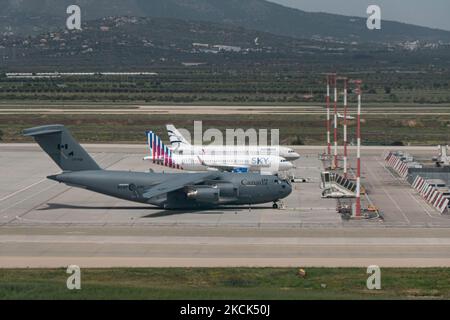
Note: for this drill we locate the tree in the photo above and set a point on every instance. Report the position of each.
(297, 141)
(393, 97)
(397, 143)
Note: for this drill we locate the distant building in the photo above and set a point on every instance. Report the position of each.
(221, 47)
(200, 45)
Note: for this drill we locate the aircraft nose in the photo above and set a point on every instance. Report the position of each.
(287, 189)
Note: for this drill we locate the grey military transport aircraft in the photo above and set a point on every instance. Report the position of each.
(165, 190)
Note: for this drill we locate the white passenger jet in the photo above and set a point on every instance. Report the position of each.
(239, 163)
(181, 146)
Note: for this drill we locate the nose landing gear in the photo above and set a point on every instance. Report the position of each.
(278, 205)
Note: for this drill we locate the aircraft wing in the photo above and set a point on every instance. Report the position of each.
(229, 168)
(178, 183)
(225, 167)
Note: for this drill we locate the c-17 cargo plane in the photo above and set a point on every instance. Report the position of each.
(164, 190)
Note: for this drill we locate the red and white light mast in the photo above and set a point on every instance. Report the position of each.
(328, 117)
(358, 155)
(345, 128)
(335, 162)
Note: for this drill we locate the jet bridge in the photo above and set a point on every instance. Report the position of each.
(336, 186)
(443, 159)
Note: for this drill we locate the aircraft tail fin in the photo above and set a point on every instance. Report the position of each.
(159, 152)
(175, 137)
(65, 151)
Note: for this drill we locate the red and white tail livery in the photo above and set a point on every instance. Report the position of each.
(159, 152)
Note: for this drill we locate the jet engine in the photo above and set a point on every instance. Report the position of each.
(203, 194)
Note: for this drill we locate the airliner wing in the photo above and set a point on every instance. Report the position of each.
(229, 168)
(225, 167)
(178, 183)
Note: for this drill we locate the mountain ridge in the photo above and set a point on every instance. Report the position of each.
(28, 16)
(135, 42)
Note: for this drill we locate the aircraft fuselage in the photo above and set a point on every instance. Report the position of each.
(227, 189)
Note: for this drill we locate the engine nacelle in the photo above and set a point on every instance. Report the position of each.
(226, 190)
(203, 194)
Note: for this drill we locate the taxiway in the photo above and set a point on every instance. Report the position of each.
(46, 224)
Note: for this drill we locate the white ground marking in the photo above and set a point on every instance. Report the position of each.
(37, 193)
(21, 190)
(27, 198)
(387, 194)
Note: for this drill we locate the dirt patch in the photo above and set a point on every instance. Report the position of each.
(412, 123)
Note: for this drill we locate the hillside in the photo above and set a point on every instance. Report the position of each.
(138, 42)
(133, 42)
(37, 16)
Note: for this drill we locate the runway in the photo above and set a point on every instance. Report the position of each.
(46, 224)
(207, 247)
(318, 110)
